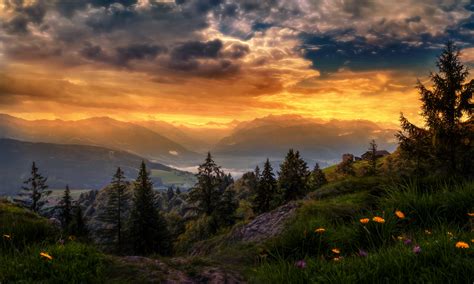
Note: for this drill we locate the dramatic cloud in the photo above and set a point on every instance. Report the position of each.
(223, 59)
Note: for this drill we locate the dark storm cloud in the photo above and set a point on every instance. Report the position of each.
(22, 15)
(195, 49)
(138, 52)
(351, 34)
(206, 59)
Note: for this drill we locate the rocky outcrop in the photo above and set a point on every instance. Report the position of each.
(265, 226)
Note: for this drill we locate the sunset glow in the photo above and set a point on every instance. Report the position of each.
(218, 61)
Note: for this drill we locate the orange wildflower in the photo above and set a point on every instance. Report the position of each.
(320, 230)
(336, 250)
(378, 219)
(471, 214)
(364, 220)
(462, 245)
(46, 255)
(400, 214)
(7, 237)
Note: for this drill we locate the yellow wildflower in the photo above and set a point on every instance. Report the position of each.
(46, 255)
(364, 220)
(336, 250)
(428, 232)
(400, 214)
(320, 230)
(338, 258)
(462, 245)
(472, 241)
(72, 238)
(400, 238)
(378, 219)
(471, 214)
(7, 237)
(451, 235)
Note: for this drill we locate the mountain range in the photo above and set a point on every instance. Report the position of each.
(80, 166)
(97, 131)
(236, 146)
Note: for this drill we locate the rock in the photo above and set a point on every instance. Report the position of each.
(266, 225)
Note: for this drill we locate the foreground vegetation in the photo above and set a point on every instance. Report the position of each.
(340, 239)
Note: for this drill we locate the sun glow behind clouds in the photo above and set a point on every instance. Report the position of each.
(195, 62)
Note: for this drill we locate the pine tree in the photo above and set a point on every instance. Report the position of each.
(178, 191)
(78, 224)
(266, 190)
(293, 176)
(113, 211)
(447, 110)
(170, 193)
(257, 174)
(66, 208)
(206, 193)
(373, 158)
(36, 190)
(225, 210)
(148, 229)
(317, 178)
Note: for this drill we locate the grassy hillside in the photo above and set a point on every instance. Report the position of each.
(349, 231)
(423, 246)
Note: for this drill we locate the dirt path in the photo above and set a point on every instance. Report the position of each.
(138, 269)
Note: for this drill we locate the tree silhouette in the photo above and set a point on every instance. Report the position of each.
(317, 178)
(446, 108)
(66, 208)
(205, 194)
(113, 211)
(293, 176)
(373, 158)
(35, 190)
(266, 190)
(148, 230)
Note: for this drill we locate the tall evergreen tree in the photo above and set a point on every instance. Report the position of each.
(224, 215)
(317, 178)
(148, 230)
(448, 117)
(257, 173)
(78, 225)
(266, 190)
(206, 193)
(170, 193)
(114, 210)
(373, 158)
(66, 208)
(293, 176)
(35, 190)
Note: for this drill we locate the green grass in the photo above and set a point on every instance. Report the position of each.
(438, 262)
(70, 263)
(25, 234)
(439, 209)
(75, 193)
(20, 227)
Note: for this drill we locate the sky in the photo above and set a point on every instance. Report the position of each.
(215, 61)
